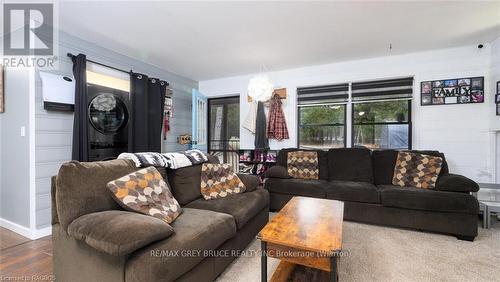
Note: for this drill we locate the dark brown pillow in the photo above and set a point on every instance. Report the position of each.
(185, 183)
(277, 171)
(81, 188)
(118, 233)
(251, 182)
(350, 164)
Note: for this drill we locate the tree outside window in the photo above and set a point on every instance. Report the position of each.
(322, 127)
(382, 125)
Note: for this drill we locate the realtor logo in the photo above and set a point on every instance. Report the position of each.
(28, 29)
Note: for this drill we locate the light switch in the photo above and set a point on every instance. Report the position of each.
(23, 131)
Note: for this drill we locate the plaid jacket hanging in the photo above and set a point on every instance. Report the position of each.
(276, 127)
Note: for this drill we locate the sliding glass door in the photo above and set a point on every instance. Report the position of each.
(224, 129)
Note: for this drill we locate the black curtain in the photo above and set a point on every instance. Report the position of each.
(156, 100)
(147, 96)
(80, 150)
(261, 141)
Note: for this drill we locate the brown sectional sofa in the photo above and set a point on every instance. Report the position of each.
(94, 239)
(363, 180)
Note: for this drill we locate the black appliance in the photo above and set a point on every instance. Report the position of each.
(108, 112)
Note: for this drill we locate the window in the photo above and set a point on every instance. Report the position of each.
(380, 116)
(322, 127)
(322, 115)
(224, 128)
(382, 125)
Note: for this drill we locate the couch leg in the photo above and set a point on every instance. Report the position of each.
(465, 238)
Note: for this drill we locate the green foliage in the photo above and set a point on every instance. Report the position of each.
(328, 135)
(322, 115)
(376, 112)
(389, 111)
(322, 136)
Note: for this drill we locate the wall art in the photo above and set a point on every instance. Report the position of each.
(452, 91)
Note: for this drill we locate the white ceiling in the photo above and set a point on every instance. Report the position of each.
(206, 40)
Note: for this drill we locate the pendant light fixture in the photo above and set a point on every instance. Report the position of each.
(260, 88)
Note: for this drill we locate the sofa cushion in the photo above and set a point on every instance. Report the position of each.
(384, 162)
(213, 159)
(163, 173)
(146, 192)
(303, 164)
(352, 191)
(118, 233)
(81, 188)
(456, 183)
(350, 164)
(185, 183)
(428, 200)
(416, 170)
(277, 171)
(297, 187)
(196, 232)
(219, 181)
(282, 160)
(251, 181)
(241, 207)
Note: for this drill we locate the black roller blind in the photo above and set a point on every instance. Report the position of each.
(338, 93)
(401, 88)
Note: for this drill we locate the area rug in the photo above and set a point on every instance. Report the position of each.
(379, 253)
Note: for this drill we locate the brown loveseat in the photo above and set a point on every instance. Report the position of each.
(94, 239)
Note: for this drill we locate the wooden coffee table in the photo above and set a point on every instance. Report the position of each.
(307, 231)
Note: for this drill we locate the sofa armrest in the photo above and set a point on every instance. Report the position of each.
(118, 233)
(456, 183)
(251, 181)
(277, 171)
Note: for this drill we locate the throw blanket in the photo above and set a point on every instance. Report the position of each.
(169, 160)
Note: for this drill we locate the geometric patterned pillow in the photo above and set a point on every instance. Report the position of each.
(146, 192)
(303, 164)
(416, 170)
(219, 181)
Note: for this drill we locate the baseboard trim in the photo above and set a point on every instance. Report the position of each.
(39, 233)
(19, 229)
(25, 231)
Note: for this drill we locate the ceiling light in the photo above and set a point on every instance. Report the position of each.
(361, 113)
(260, 88)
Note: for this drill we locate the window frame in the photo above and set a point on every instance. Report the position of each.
(326, 124)
(409, 123)
(224, 101)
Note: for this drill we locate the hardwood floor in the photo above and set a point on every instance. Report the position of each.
(9, 238)
(23, 259)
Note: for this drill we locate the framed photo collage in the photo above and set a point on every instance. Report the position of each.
(452, 91)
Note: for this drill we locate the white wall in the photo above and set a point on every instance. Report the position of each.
(460, 131)
(495, 76)
(15, 211)
(495, 120)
